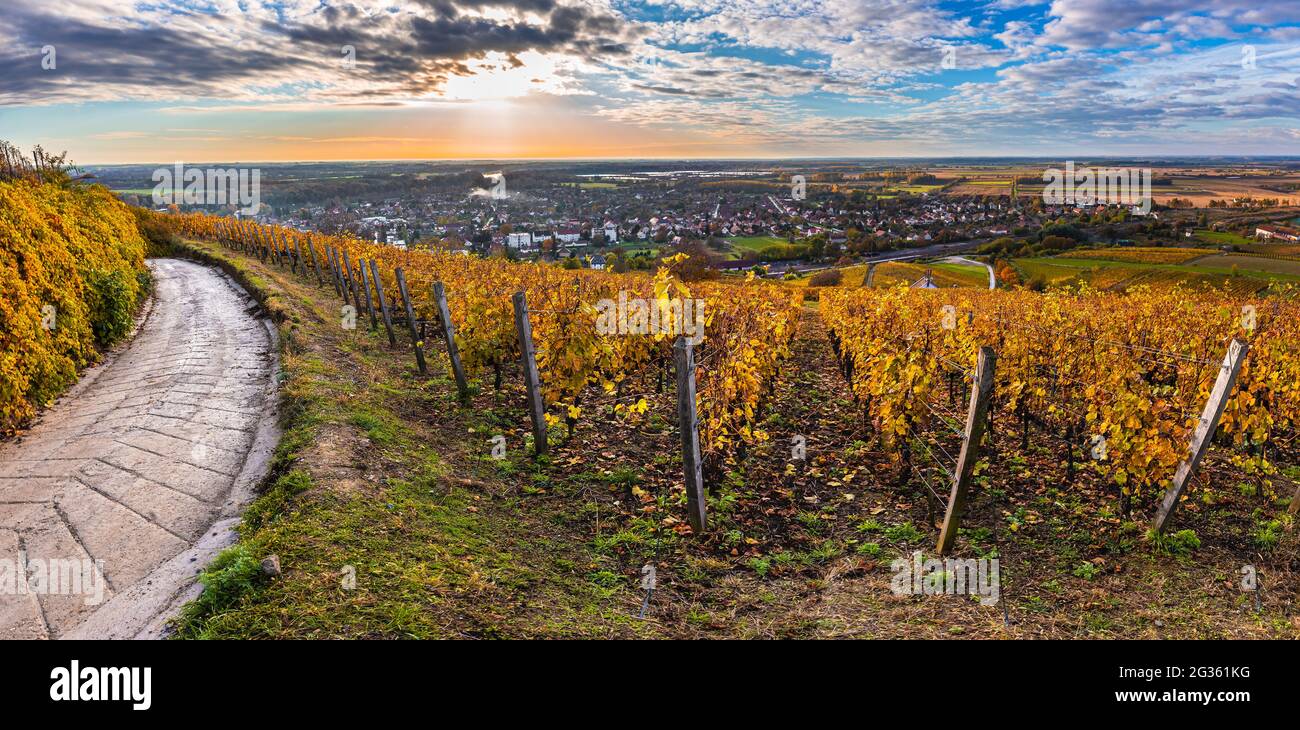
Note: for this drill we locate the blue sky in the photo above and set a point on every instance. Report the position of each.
(248, 80)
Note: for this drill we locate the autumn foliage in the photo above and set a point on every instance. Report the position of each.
(71, 272)
(747, 327)
(1135, 369)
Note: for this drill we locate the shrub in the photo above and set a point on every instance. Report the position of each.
(829, 277)
(158, 231)
(71, 272)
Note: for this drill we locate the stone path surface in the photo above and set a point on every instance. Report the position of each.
(134, 466)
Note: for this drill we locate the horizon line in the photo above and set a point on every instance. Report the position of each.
(448, 160)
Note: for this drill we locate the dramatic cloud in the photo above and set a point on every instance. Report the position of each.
(796, 76)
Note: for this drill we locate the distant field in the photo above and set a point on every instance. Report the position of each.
(895, 273)
(1200, 189)
(1054, 272)
(757, 244)
(1252, 273)
(1141, 254)
(972, 276)
(849, 276)
(1223, 237)
(594, 185)
(1159, 279)
(1187, 183)
(1250, 263)
(1272, 249)
(914, 188)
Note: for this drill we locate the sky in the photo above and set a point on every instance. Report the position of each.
(243, 80)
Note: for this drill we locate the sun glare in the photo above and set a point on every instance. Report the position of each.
(494, 78)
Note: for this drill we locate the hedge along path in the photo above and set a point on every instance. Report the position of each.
(68, 290)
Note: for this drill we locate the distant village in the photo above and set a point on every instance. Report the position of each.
(632, 220)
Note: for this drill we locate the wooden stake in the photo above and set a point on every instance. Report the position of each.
(350, 281)
(365, 284)
(315, 262)
(297, 254)
(274, 246)
(976, 418)
(334, 270)
(410, 321)
(536, 407)
(449, 333)
(688, 424)
(1204, 432)
(383, 303)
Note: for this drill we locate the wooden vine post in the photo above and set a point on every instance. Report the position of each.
(689, 425)
(976, 420)
(274, 246)
(315, 262)
(365, 284)
(536, 407)
(297, 255)
(1204, 432)
(383, 303)
(449, 333)
(410, 322)
(334, 270)
(350, 282)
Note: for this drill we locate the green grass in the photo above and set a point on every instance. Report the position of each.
(757, 244)
(1222, 237)
(976, 276)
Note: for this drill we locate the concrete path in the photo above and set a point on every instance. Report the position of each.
(108, 503)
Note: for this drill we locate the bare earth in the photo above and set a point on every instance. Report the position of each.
(143, 466)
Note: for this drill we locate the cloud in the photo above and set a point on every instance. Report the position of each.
(294, 52)
(780, 73)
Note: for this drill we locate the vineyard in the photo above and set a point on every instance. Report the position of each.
(1119, 381)
(746, 332)
(1141, 255)
(824, 433)
(1121, 378)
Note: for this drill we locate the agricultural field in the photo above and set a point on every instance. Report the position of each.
(757, 244)
(1250, 263)
(569, 529)
(1209, 269)
(1141, 255)
(1221, 238)
(945, 275)
(1280, 250)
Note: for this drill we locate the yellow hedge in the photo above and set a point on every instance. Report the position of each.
(78, 249)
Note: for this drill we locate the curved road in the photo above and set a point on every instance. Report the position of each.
(107, 503)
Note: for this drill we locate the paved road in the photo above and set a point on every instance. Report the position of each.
(129, 471)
